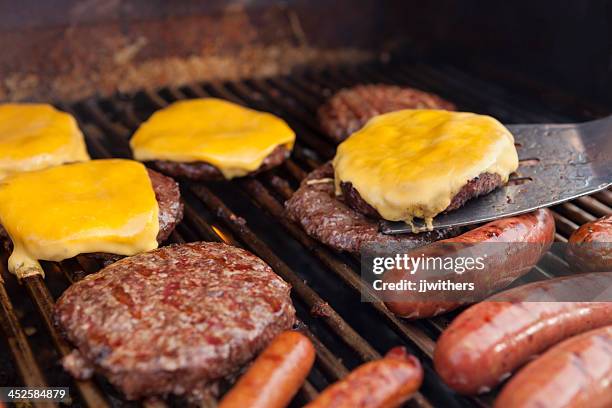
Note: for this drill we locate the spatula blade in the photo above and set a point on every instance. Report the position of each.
(557, 163)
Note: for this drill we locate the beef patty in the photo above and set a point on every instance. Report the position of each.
(203, 171)
(349, 109)
(330, 220)
(170, 213)
(168, 198)
(483, 184)
(174, 320)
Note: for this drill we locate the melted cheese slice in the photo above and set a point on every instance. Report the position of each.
(37, 136)
(411, 163)
(232, 138)
(96, 206)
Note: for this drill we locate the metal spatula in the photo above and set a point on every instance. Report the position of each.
(558, 162)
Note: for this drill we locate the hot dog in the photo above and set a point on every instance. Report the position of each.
(490, 340)
(384, 383)
(275, 376)
(533, 234)
(590, 247)
(574, 373)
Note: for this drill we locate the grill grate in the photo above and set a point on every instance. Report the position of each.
(248, 213)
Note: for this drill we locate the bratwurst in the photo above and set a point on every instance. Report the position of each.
(384, 383)
(513, 247)
(575, 373)
(590, 247)
(491, 339)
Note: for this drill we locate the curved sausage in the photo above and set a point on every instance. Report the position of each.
(531, 235)
(590, 247)
(275, 376)
(491, 339)
(383, 383)
(575, 373)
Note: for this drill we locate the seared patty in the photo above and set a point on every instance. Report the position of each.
(328, 219)
(168, 198)
(174, 320)
(481, 185)
(207, 172)
(349, 109)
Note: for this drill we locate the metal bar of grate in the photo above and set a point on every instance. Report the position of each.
(28, 368)
(43, 300)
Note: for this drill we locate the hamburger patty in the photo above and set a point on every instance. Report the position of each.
(174, 320)
(349, 109)
(481, 185)
(328, 219)
(207, 172)
(168, 198)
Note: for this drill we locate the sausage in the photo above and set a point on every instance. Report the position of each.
(590, 247)
(491, 339)
(383, 383)
(275, 376)
(574, 373)
(531, 236)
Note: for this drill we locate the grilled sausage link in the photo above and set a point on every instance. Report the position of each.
(491, 339)
(275, 376)
(385, 383)
(575, 373)
(590, 247)
(516, 246)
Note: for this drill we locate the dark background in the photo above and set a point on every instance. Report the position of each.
(564, 44)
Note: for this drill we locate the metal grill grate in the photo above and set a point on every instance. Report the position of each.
(248, 213)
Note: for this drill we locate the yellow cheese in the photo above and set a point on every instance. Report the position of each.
(411, 163)
(96, 206)
(37, 136)
(233, 138)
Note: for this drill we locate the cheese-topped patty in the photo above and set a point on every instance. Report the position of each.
(37, 136)
(97, 206)
(234, 139)
(411, 163)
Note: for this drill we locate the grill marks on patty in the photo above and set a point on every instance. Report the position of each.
(203, 171)
(174, 320)
(349, 109)
(331, 221)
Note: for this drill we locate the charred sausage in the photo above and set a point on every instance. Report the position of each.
(574, 373)
(384, 383)
(531, 236)
(275, 376)
(590, 247)
(491, 339)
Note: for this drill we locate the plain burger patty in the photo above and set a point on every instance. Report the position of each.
(174, 320)
(330, 220)
(203, 171)
(483, 184)
(168, 198)
(349, 109)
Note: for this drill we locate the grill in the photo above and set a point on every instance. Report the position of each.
(249, 213)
